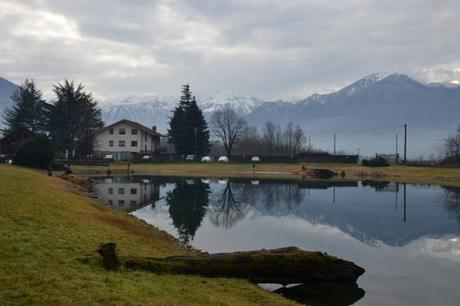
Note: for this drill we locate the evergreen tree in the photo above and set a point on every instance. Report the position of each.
(28, 110)
(188, 129)
(73, 118)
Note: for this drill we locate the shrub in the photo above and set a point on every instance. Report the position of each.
(375, 162)
(35, 152)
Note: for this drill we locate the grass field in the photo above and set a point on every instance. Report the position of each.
(47, 226)
(408, 174)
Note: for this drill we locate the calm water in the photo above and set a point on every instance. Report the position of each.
(407, 237)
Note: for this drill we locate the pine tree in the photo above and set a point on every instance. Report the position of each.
(28, 110)
(73, 118)
(188, 128)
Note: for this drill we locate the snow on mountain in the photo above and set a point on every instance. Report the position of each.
(7, 88)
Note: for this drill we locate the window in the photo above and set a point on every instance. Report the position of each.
(110, 143)
(133, 202)
(134, 143)
(122, 131)
(121, 143)
(121, 203)
(121, 190)
(134, 132)
(110, 131)
(110, 202)
(110, 190)
(133, 191)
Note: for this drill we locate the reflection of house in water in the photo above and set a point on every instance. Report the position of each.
(126, 195)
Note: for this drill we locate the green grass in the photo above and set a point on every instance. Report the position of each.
(407, 174)
(47, 227)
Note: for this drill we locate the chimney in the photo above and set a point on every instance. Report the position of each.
(154, 128)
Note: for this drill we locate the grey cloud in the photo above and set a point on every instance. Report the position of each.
(270, 49)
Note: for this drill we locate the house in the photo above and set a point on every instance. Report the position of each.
(125, 139)
(11, 141)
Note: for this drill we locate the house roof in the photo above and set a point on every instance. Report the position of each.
(132, 123)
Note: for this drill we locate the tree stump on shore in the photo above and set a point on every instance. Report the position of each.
(108, 251)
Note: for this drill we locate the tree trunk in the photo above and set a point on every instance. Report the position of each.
(281, 266)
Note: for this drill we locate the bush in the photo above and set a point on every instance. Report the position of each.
(375, 162)
(35, 152)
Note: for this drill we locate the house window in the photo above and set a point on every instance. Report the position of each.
(110, 190)
(133, 202)
(121, 190)
(121, 203)
(134, 132)
(133, 191)
(110, 143)
(121, 143)
(110, 202)
(134, 143)
(122, 131)
(111, 131)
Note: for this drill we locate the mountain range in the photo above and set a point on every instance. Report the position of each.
(365, 115)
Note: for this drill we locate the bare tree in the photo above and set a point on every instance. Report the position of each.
(452, 144)
(289, 140)
(269, 136)
(228, 127)
(299, 139)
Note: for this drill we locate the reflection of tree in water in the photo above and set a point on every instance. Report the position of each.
(235, 200)
(227, 210)
(187, 207)
(452, 203)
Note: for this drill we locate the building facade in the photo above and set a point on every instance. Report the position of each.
(125, 139)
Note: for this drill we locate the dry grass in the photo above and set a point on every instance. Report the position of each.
(428, 175)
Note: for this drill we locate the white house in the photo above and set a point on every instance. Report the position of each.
(124, 139)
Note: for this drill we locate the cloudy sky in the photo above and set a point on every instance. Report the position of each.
(265, 48)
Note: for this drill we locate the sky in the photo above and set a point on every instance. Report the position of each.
(272, 49)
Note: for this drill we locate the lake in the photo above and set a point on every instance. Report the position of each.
(407, 237)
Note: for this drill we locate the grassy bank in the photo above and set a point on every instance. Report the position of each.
(48, 226)
(407, 174)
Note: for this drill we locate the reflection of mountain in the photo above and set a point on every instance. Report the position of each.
(365, 213)
(127, 194)
(188, 203)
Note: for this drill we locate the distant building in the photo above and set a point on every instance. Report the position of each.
(11, 141)
(125, 139)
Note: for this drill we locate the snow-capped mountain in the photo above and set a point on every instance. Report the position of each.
(366, 114)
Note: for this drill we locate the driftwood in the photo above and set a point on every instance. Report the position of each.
(283, 266)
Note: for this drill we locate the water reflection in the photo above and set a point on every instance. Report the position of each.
(126, 194)
(188, 202)
(399, 233)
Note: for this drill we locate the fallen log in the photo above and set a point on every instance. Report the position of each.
(282, 266)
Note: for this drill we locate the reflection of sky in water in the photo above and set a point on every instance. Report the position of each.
(416, 262)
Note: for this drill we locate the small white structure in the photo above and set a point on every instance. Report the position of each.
(123, 139)
(206, 159)
(223, 159)
(255, 159)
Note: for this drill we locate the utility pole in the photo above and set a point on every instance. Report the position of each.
(405, 142)
(397, 157)
(334, 143)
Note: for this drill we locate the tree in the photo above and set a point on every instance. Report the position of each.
(269, 137)
(28, 110)
(73, 119)
(188, 130)
(228, 127)
(34, 152)
(299, 140)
